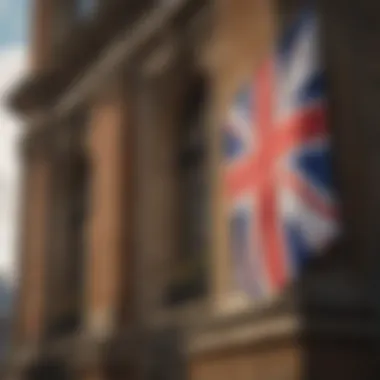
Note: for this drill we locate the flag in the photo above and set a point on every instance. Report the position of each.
(282, 208)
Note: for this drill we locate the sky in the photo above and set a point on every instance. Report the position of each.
(13, 40)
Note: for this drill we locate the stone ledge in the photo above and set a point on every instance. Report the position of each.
(238, 335)
(328, 306)
(255, 329)
(120, 49)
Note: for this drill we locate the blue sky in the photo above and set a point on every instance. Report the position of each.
(13, 40)
(13, 22)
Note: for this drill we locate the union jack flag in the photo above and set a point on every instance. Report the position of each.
(282, 209)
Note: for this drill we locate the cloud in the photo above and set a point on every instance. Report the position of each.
(12, 65)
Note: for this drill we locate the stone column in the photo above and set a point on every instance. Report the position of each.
(242, 35)
(106, 228)
(34, 249)
(41, 33)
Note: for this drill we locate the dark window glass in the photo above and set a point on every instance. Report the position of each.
(189, 273)
(69, 277)
(76, 230)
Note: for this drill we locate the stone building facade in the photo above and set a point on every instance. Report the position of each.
(124, 266)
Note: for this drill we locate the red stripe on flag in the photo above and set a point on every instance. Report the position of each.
(251, 172)
(274, 254)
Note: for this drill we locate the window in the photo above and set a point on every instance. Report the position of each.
(66, 265)
(189, 272)
(76, 218)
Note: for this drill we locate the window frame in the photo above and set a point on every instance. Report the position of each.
(68, 150)
(150, 100)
